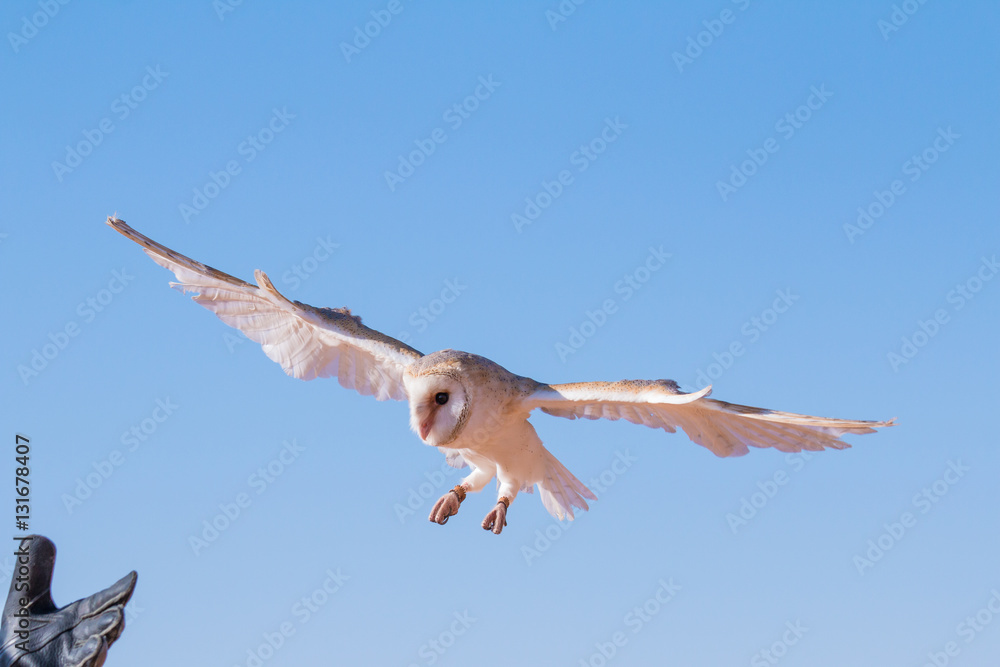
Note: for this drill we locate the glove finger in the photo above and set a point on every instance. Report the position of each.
(36, 568)
(108, 625)
(116, 594)
(91, 653)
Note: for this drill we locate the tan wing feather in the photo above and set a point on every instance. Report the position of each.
(726, 429)
(307, 342)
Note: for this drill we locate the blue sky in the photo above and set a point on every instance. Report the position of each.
(794, 201)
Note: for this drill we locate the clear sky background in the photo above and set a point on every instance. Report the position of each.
(770, 277)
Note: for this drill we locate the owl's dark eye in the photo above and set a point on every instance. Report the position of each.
(441, 398)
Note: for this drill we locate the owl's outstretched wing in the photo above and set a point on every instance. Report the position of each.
(308, 342)
(724, 428)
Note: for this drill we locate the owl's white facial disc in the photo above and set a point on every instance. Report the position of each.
(439, 408)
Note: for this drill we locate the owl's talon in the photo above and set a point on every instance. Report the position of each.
(445, 508)
(496, 519)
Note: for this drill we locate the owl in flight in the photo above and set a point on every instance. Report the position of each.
(472, 409)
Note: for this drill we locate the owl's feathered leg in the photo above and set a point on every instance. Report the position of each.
(448, 504)
(497, 518)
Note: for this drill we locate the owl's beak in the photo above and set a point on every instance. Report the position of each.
(425, 428)
(426, 424)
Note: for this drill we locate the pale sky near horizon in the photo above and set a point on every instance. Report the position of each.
(795, 202)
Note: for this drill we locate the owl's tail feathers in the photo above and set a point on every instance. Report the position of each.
(561, 491)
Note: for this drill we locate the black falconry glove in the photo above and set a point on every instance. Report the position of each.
(36, 633)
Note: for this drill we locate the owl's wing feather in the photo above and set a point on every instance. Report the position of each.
(726, 429)
(308, 342)
(453, 458)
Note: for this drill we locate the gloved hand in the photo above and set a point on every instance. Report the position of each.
(77, 635)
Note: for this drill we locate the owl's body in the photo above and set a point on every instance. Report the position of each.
(495, 437)
(471, 408)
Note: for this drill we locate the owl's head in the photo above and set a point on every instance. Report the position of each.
(439, 407)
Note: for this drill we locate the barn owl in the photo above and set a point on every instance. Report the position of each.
(472, 409)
